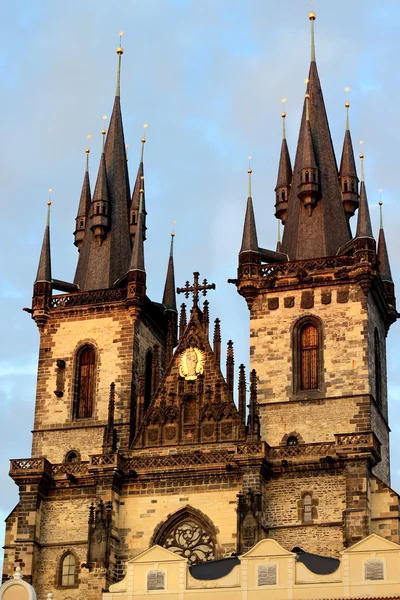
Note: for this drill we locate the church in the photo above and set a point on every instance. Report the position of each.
(146, 476)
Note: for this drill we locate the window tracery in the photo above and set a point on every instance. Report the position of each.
(84, 391)
(68, 570)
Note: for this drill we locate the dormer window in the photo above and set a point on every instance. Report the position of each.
(346, 187)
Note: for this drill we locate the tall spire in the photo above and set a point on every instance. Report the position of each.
(84, 206)
(100, 213)
(348, 173)
(325, 230)
(101, 265)
(284, 181)
(137, 258)
(44, 268)
(364, 228)
(169, 297)
(139, 184)
(383, 255)
(249, 239)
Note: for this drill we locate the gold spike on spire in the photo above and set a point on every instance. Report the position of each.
(362, 160)
(249, 171)
(143, 141)
(120, 52)
(87, 152)
(283, 119)
(380, 213)
(312, 16)
(347, 105)
(103, 133)
(48, 208)
(172, 239)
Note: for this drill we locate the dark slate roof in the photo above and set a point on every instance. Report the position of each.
(383, 257)
(308, 154)
(84, 203)
(169, 297)
(364, 228)
(137, 258)
(322, 233)
(249, 239)
(44, 268)
(347, 163)
(285, 166)
(139, 182)
(214, 569)
(99, 266)
(101, 188)
(320, 565)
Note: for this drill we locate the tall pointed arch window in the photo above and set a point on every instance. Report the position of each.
(67, 571)
(84, 385)
(307, 355)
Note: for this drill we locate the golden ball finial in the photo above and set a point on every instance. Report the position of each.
(103, 132)
(312, 16)
(283, 115)
(141, 191)
(347, 105)
(48, 203)
(307, 96)
(143, 140)
(380, 203)
(120, 50)
(173, 234)
(87, 150)
(361, 155)
(249, 171)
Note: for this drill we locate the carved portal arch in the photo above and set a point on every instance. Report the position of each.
(190, 534)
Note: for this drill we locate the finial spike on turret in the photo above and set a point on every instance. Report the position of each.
(171, 252)
(283, 119)
(87, 153)
(312, 16)
(120, 52)
(103, 133)
(362, 161)
(249, 172)
(380, 215)
(143, 141)
(347, 105)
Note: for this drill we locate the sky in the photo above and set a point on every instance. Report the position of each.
(207, 76)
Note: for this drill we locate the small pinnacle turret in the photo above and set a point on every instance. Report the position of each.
(364, 228)
(348, 173)
(44, 267)
(84, 207)
(383, 255)
(100, 210)
(308, 188)
(169, 297)
(249, 239)
(137, 272)
(284, 181)
(134, 208)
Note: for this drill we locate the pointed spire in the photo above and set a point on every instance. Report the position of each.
(364, 228)
(84, 206)
(242, 395)
(44, 268)
(284, 181)
(139, 184)
(249, 239)
(253, 423)
(100, 213)
(217, 340)
(230, 366)
(169, 298)
(182, 320)
(348, 173)
(319, 229)
(383, 255)
(137, 258)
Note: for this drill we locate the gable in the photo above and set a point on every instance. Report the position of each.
(156, 554)
(267, 547)
(372, 543)
(193, 402)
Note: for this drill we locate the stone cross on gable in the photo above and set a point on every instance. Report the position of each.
(196, 288)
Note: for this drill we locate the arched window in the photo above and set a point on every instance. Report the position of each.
(378, 369)
(307, 509)
(68, 570)
(307, 346)
(309, 350)
(148, 369)
(84, 391)
(72, 457)
(346, 187)
(353, 187)
(283, 195)
(189, 535)
(292, 441)
(307, 176)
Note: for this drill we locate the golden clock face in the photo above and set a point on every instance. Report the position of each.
(191, 363)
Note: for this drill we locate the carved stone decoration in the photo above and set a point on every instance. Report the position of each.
(249, 520)
(190, 540)
(191, 363)
(99, 535)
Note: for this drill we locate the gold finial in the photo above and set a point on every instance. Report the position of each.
(120, 52)
(347, 105)
(312, 16)
(48, 209)
(380, 210)
(171, 251)
(173, 228)
(143, 141)
(103, 133)
(249, 172)
(283, 115)
(362, 160)
(87, 152)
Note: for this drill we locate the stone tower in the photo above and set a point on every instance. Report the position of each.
(320, 311)
(137, 439)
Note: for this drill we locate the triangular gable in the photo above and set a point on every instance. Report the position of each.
(156, 554)
(265, 548)
(372, 543)
(192, 403)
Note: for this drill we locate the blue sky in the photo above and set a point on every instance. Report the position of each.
(207, 76)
